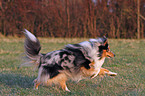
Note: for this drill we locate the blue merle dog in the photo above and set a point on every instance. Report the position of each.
(75, 61)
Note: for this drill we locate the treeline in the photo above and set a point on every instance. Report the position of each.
(72, 18)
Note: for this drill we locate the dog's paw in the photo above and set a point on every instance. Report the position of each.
(66, 89)
(93, 76)
(112, 73)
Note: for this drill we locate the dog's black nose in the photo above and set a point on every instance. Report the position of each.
(114, 55)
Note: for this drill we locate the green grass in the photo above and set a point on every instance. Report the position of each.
(129, 63)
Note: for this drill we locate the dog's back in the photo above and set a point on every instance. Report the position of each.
(68, 59)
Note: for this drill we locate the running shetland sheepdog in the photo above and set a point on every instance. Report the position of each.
(75, 61)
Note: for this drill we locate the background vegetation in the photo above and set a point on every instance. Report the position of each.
(72, 18)
(129, 63)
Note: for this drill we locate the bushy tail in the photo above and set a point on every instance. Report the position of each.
(32, 48)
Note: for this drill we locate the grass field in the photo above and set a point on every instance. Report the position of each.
(129, 63)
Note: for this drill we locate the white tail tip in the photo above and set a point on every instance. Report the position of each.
(30, 35)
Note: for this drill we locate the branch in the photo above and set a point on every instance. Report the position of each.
(142, 17)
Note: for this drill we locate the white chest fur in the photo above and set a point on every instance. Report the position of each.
(99, 63)
(97, 66)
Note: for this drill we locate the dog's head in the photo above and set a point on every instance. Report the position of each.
(103, 47)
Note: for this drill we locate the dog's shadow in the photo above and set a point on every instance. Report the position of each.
(16, 80)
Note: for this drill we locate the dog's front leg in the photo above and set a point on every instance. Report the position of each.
(104, 71)
(96, 72)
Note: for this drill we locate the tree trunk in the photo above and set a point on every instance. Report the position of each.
(68, 19)
(138, 19)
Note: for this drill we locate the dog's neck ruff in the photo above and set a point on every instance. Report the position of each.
(93, 53)
(99, 63)
(90, 50)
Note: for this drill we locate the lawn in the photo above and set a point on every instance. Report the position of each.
(129, 63)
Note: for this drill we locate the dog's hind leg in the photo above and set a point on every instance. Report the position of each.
(62, 81)
(63, 85)
(59, 79)
(36, 84)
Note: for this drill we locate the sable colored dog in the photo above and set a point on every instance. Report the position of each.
(75, 61)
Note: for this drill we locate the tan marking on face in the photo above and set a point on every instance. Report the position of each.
(105, 43)
(107, 54)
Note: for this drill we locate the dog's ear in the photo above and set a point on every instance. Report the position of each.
(104, 37)
(104, 40)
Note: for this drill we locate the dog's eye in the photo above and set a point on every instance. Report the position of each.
(108, 49)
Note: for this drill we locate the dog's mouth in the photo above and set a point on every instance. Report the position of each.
(109, 56)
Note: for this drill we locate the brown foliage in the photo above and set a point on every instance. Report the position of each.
(71, 18)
